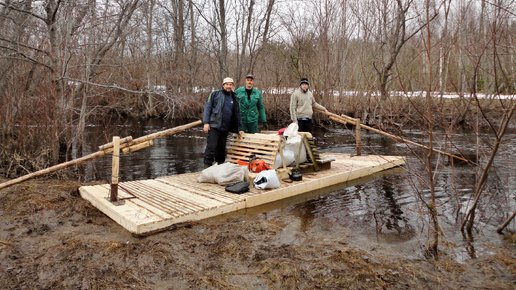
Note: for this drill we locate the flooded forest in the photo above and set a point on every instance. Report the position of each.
(438, 73)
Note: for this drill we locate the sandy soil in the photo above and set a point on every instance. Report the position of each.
(50, 238)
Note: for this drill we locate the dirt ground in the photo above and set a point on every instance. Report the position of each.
(50, 238)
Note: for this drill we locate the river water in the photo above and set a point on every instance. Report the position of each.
(384, 212)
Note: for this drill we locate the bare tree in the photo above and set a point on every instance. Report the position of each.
(388, 32)
(223, 33)
(487, 48)
(469, 219)
(432, 205)
(241, 58)
(149, 7)
(96, 56)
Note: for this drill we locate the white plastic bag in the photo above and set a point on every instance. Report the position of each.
(291, 130)
(267, 179)
(224, 174)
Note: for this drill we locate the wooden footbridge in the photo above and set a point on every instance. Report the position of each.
(147, 206)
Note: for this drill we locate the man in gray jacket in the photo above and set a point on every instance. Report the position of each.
(221, 116)
(302, 102)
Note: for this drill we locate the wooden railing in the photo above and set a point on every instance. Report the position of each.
(126, 145)
(346, 119)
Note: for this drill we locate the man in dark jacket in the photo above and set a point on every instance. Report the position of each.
(221, 116)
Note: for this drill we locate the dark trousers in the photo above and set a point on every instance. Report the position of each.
(250, 127)
(215, 147)
(305, 125)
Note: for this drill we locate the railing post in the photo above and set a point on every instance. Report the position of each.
(115, 169)
(357, 128)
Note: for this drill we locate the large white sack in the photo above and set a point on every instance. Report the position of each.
(289, 158)
(291, 130)
(224, 174)
(294, 142)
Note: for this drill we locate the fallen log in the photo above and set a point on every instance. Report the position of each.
(98, 154)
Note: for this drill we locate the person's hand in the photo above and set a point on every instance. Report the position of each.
(326, 111)
(240, 134)
(206, 128)
(265, 126)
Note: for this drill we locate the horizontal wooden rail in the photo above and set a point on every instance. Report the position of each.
(127, 139)
(346, 119)
(100, 153)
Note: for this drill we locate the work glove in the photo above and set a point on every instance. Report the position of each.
(265, 126)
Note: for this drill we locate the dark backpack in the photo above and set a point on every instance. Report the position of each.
(239, 187)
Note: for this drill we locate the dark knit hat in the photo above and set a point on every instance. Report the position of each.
(304, 81)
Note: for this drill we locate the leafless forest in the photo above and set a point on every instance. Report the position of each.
(65, 62)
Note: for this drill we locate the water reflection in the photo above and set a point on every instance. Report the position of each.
(173, 154)
(380, 210)
(391, 223)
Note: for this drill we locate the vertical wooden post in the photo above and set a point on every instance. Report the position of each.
(357, 128)
(115, 169)
(282, 157)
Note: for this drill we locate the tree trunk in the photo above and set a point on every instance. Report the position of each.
(193, 47)
(433, 206)
(245, 42)
(179, 45)
(150, 110)
(223, 55)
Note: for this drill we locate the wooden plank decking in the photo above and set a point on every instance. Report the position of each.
(148, 206)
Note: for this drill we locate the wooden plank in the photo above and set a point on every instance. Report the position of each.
(310, 153)
(254, 142)
(216, 197)
(125, 215)
(214, 190)
(187, 195)
(258, 136)
(115, 169)
(138, 203)
(137, 147)
(162, 199)
(311, 183)
(148, 228)
(234, 159)
(127, 139)
(257, 149)
(155, 201)
(308, 135)
(244, 154)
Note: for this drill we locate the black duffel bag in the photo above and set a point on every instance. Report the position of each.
(239, 187)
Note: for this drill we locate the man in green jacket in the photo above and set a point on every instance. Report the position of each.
(251, 106)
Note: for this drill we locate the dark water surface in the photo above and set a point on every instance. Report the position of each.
(384, 212)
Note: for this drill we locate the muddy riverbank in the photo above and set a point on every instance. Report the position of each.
(52, 238)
